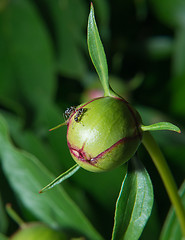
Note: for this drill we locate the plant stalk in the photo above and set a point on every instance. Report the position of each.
(15, 216)
(167, 177)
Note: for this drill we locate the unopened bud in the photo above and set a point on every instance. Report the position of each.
(103, 133)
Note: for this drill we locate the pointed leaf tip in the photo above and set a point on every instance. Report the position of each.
(61, 178)
(161, 126)
(96, 51)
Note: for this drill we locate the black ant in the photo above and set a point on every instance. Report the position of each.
(69, 111)
(79, 114)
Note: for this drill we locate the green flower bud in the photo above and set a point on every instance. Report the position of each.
(103, 133)
(37, 231)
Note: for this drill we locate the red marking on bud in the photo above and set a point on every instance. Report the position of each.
(85, 157)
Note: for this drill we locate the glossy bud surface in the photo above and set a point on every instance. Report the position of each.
(103, 133)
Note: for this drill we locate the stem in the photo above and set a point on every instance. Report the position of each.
(15, 216)
(166, 175)
(106, 87)
(108, 92)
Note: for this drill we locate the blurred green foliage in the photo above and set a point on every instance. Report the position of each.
(45, 67)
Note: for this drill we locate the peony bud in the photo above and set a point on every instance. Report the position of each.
(103, 133)
(37, 231)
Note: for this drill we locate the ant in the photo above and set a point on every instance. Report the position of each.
(79, 114)
(69, 111)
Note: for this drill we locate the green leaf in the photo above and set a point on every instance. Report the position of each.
(96, 51)
(61, 178)
(171, 229)
(134, 203)
(31, 52)
(153, 226)
(32, 142)
(27, 176)
(68, 19)
(161, 126)
(9, 89)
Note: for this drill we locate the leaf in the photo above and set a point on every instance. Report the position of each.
(31, 52)
(161, 126)
(171, 229)
(29, 141)
(134, 203)
(153, 226)
(166, 138)
(27, 176)
(62, 177)
(96, 51)
(68, 20)
(8, 86)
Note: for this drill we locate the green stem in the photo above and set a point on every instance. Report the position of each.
(15, 216)
(108, 92)
(166, 175)
(106, 87)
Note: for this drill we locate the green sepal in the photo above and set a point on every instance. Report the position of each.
(97, 53)
(161, 126)
(58, 126)
(61, 178)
